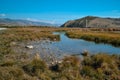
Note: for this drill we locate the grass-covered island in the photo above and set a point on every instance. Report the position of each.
(23, 66)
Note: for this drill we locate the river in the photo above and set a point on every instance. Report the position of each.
(77, 46)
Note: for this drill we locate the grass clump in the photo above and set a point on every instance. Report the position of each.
(34, 66)
(14, 73)
(37, 68)
(100, 66)
(68, 69)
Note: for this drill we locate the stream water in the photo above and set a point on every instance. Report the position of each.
(77, 46)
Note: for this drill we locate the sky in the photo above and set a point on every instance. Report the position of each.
(58, 11)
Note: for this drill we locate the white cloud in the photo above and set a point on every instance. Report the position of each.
(36, 20)
(2, 15)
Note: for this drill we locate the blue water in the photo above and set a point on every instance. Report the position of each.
(76, 46)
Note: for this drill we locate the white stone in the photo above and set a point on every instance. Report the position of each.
(30, 47)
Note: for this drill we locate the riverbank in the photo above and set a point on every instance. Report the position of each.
(98, 37)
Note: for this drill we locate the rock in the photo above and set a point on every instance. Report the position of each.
(59, 62)
(29, 47)
(55, 39)
(85, 53)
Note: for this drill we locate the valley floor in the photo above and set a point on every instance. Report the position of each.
(18, 65)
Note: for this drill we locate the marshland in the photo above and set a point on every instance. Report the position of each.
(60, 53)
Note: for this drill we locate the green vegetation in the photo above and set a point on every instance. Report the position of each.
(23, 66)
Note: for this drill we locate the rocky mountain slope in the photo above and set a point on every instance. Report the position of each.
(91, 21)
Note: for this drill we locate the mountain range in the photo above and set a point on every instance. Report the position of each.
(20, 22)
(92, 21)
(88, 21)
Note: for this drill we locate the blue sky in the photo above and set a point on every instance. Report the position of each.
(58, 11)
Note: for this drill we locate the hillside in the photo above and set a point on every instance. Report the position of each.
(19, 22)
(91, 21)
